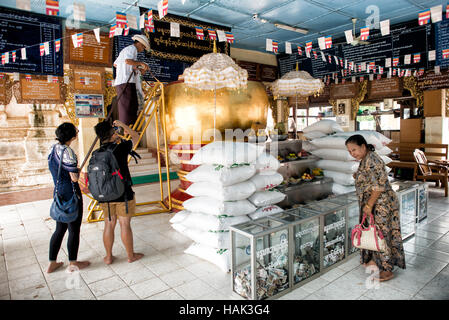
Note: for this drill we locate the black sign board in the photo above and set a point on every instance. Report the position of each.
(187, 47)
(20, 29)
(405, 38)
(163, 69)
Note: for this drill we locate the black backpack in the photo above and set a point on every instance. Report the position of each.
(105, 181)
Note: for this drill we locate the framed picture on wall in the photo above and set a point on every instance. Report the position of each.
(341, 109)
(89, 106)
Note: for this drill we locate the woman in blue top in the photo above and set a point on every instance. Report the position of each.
(66, 133)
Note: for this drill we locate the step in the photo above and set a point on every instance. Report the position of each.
(140, 162)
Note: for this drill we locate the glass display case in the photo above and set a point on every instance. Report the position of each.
(334, 230)
(265, 272)
(305, 233)
(406, 193)
(423, 200)
(351, 203)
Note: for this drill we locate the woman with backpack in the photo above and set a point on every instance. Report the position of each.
(67, 185)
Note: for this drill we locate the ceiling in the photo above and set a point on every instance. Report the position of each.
(319, 17)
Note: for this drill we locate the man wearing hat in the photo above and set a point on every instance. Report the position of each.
(129, 68)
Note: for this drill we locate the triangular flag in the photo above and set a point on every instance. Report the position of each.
(230, 37)
(149, 25)
(328, 42)
(52, 7)
(132, 21)
(97, 34)
(388, 62)
(42, 49)
(142, 21)
(424, 17)
(47, 48)
(57, 45)
(13, 53)
(432, 55)
(288, 47)
(275, 46)
(436, 13)
(308, 48)
(349, 36)
(407, 58)
(212, 34)
(385, 27)
(364, 34)
(199, 33)
(23, 53)
(75, 40)
(269, 45)
(299, 50)
(111, 31)
(322, 43)
(322, 56)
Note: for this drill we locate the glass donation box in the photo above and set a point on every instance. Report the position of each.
(408, 207)
(261, 271)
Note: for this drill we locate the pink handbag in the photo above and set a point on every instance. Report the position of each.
(368, 238)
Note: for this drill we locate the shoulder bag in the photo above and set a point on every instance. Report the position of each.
(60, 210)
(369, 238)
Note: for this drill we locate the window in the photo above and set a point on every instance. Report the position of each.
(307, 117)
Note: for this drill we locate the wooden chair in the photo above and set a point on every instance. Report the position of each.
(431, 171)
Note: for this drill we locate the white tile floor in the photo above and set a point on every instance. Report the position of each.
(167, 273)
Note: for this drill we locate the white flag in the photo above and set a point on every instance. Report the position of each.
(66, 79)
(174, 29)
(75, 40)
(346, 64)
(47, 47)
(86, 81)
(363, 66)
(269, 45)
(336, 60)
(387, 62)
(407, 58)
(371, 77)
(160, 9)
(288, 47)
(16, 76)
(432, 55)
(132, 21)
(385, 27)
(353, 79)
(142, 21)
(97, 34)
(436, 13)
(322, 43)
(349, 36)
(118, 31)
(437, 70)
(79, 12)
(23, 53)
(6, 57)
(322, 56)
(221, 36)
(49, 78)
(23, 5)
(336, 80)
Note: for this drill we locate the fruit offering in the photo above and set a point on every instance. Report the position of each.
(307, 177)
(292, 156)
(317, 172)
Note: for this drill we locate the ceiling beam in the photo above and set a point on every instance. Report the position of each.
(416, 4)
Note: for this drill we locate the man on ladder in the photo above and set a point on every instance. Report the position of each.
(127, 78)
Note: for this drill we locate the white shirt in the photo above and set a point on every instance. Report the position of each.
(123, 69)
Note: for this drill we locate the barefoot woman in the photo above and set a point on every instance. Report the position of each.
(376, 197)
(66, 133)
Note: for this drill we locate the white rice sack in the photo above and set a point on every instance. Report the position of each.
(218, 240)
(216, 207)
(265, 211)
(267, 182)
(340, 189)
(339, 166)
(314, 135)
(308, 146)
(266, 164)
(325, 126)
(239, 191)
(207, 222)
(387, 169)
(179, 227)
(179, 216)
(227, 153)
(266, 198)
(333, 154)
(221, 174)
(384, 151)
(338, 142)
(383, 139)
(345, 179)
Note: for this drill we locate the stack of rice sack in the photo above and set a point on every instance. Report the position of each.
(230, 186)
(338, 164)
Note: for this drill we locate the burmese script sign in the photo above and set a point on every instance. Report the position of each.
(432, 81)
(39, 90)
(344, 91)
(91, 52)
(259, 72)
(88, 80)
(299, 101)
(385, 88)
(186, 47)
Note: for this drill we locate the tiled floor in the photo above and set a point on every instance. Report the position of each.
(165, 272)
